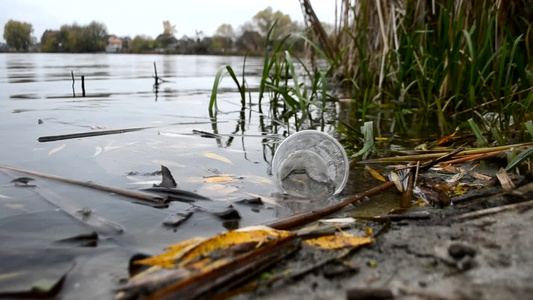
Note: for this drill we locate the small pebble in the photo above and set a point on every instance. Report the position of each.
(458, 251)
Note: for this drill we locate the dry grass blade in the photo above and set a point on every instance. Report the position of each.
(422, 157)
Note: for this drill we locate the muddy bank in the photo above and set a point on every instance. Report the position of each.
(450, 255)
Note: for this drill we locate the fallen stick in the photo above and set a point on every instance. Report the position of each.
(69, 136)
(409, 158)
(493, 210)
(308, 217)
(471, 157)
(123, 192)
(52, 138)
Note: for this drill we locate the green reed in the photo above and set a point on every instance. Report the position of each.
(449, 63)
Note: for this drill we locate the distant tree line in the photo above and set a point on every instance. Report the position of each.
(75, 38)
(248, 38)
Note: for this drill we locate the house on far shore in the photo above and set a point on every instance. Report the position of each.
(4, 47)
(114, 44)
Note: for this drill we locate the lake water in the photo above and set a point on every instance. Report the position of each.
(53, 223)
(38, 99)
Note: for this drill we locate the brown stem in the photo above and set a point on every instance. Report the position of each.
(308, 217)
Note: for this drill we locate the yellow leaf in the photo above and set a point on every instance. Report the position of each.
(368, 231)
(57, 149)
(420, 202)
(217, 157)
(168, 163)
(332, 242)
(198, 253)
(232, 238)
(216, 189)
(218, 179)
(175, 252)
(375, 174)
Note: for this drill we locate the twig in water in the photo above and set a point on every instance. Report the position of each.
(153, 199)
(69, 136)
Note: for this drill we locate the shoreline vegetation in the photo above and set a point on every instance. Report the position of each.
(438, 67)
(248, 39)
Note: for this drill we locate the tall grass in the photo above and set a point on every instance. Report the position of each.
(447, 59)
(295, 93)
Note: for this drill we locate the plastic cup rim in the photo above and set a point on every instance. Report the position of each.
(329, 137)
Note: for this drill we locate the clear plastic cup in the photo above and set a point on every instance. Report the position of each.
(310, 164)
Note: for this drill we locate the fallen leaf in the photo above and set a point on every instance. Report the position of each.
(57, 149)
(217, 157)
(480, 176)
(197, 253)
(168, 163)
(217, 189)
(218, 179)
(397, 181)
(445, 139)
(375, 174)
(175, 252)
(368, 231)
(332, 242)
(505, 180)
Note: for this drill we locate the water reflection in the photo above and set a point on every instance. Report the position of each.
(20, 70)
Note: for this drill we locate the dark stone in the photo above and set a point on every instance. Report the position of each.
(458, 251)
(177, 219)
(228, 214)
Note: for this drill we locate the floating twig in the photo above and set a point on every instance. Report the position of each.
(153, 199)
(69, 136)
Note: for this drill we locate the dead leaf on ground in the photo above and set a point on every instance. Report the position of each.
(505, 180)
(333, 242)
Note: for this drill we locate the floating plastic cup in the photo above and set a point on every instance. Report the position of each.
(310, 164)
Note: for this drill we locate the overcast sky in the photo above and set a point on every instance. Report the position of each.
(130, 17)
